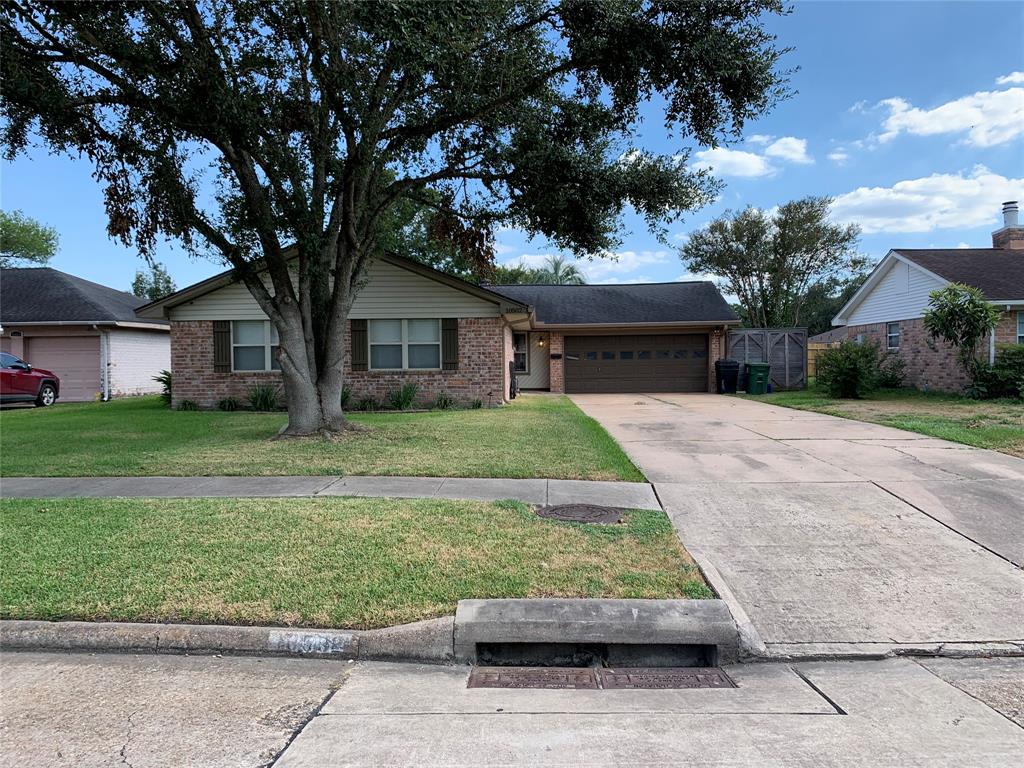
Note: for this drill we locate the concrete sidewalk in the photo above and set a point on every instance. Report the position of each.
(531, 491)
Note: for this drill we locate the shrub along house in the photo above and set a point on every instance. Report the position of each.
(889, 307)
(411, 323)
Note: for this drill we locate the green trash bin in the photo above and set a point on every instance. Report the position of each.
(757, 378)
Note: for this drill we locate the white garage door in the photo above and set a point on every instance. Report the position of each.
(75, 360)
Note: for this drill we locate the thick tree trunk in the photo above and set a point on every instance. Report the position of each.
(314, 407)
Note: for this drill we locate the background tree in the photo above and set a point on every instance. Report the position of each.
(24, 241)
(515, 274)
(154, 285)
(557, 270)
(823, 301)
(280, 136)
(771, 261)
(962, 317)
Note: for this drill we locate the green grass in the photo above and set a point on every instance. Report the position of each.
(535, 436)
(994, 424)
(353, 563)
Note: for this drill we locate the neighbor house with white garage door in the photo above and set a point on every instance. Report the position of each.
(86, 333)
(411, 323)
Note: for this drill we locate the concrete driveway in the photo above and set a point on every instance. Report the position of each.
(835, 534)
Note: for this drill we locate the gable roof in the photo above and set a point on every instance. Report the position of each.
(159, 308)
(643, 303)
(46, 295)
(996, 272)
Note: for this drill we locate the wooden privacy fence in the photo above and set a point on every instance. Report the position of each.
(814, 350)
(784, 348)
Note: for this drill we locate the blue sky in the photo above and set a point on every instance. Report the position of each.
(911, 114)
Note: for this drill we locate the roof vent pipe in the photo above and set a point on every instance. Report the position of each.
(1010, 213)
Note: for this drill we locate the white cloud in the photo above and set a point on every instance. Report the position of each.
(987, 118)
(501, 249)
(963, 245)
(609, 268)
(760, 138)
(1014, 78)
(939, 201)
(789, 148)
(733, 162)
(839, 156)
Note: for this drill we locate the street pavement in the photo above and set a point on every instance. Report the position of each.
(146, 711)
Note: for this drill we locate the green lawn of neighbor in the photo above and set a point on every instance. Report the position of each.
(995, 424)
(534, 436)
(323, 562)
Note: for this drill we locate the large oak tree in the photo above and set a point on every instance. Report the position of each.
(283, 138)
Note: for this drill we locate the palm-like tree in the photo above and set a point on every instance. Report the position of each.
(558, 271)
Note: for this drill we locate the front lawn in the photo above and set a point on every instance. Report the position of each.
(536, 436)
(995, 424)
(352, 563)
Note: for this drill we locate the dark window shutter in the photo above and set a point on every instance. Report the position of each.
(360, 346)
(222, 346)
(450, 344)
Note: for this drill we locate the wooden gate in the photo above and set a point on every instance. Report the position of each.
(784, 348)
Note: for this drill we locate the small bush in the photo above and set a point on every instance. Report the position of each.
(346, 398)
(368, 404)
(478, 403)
(402, 399)
(263, 397)
(892, 371)
(444, 402)
(188, 405)
(1004, 378)
(164, 379)
(849, 370)
(229, 404)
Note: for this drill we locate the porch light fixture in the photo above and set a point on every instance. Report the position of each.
(541, 342)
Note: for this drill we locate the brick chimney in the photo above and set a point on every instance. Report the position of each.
(1012, 233)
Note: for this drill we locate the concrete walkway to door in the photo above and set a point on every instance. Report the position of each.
(836, 536)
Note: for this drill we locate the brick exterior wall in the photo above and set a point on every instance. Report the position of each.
(481, 373)
(556, 343)
(1006, 329)
(716, 351)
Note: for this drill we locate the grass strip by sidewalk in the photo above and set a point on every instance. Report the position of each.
(994, 424)
(534, 436)
(339, 562)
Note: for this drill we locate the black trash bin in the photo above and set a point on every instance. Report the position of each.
(727, 372)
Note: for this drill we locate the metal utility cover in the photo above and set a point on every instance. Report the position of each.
(581, 513)
(664, 677)
(532, 677)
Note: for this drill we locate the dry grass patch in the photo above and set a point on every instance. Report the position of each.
(324, 562)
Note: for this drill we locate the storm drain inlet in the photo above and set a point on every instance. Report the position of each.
(574, 678)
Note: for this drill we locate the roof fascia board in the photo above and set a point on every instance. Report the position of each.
(666, 324)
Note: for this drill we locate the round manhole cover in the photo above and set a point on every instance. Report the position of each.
(581, 513)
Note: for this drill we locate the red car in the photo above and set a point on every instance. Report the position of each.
(21, 383)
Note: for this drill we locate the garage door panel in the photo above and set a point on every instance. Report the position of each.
(75, 360)
(636, 363)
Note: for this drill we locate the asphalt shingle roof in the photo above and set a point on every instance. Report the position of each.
(997, 272)
(614, 304)
(47, 295)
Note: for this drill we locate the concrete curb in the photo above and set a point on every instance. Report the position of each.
(549, 622)
(751, 646)
(425, 641)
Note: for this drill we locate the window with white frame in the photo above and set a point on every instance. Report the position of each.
(405, 344)
(254, 346)
(892, 335)
(521, 352)
(1020, 327)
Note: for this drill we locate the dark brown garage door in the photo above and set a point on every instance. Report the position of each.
(677, 363)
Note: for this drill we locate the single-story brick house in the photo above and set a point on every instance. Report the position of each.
(889, 307)
(411, 323)
(86, 333)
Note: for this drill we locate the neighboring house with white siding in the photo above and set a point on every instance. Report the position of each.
(889, 307)
(413, 324)
(86, 333)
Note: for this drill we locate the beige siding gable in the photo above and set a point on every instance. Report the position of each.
(389, 291)
(902, 294)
